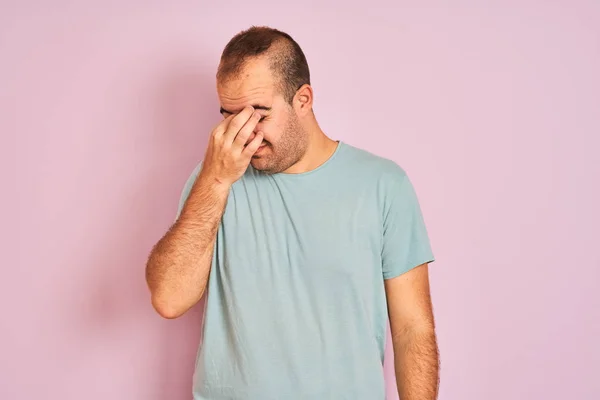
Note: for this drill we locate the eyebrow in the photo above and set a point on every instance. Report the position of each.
(255, 106)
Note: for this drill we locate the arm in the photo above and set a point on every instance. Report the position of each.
(416, 357)
(179, 264)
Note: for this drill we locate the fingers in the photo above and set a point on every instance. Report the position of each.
(253, 145)
(242, 137)
(237, 123)
(222, 126)
(216, 137)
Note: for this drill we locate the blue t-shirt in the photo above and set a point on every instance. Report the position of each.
(296, 307)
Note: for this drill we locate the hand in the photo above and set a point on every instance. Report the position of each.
(229, 150)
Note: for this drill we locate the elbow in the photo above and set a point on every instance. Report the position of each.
(167, 308)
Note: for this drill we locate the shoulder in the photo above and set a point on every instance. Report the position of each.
(380, 169)
(383, 178)
(193, 175)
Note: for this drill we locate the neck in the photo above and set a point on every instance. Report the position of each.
(320, 148)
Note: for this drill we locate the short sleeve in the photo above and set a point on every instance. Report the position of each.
(405, 239)
(187, 188)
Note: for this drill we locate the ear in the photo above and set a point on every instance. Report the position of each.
(303, 100)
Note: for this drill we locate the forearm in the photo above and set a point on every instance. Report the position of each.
(179, 264)
(416, 360)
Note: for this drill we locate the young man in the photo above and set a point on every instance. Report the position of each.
(303, 245)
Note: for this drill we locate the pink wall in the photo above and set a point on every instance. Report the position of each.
(493, 110)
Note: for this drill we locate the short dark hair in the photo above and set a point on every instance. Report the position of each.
(286, 58)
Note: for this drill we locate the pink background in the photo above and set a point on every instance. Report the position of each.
(492, 107)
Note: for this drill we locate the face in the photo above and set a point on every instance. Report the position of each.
(285, 141)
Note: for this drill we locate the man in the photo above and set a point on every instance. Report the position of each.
(303, 245)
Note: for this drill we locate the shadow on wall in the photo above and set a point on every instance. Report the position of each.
(168, 138)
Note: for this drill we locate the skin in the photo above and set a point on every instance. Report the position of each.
(416, 355)
(261, 128)
(293, 140)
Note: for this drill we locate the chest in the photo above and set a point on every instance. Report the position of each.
(273, 227)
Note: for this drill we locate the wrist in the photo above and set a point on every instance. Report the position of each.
(213, 183)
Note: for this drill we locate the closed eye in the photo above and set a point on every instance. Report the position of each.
(226, 114)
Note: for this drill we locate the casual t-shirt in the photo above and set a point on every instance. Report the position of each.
(296, 307)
